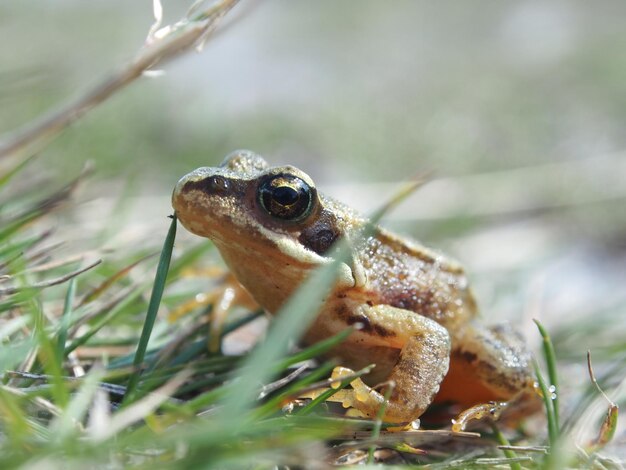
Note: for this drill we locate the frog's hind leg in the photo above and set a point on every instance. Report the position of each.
(421, 365)
(490, 369)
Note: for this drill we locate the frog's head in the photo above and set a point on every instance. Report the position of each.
(262, 218)
(244, 201)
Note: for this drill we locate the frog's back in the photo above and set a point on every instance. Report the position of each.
(408, 276)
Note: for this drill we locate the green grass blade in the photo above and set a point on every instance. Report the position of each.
(291, 322)
(15, 424)
(66, 424)
(321, 398)
(378, 424)
(18, 247)
(316, 349)
(12, 227)
(12, 326)
(66, 321)
(547, 401)
(548, 351)
(508, 453)
(153, 308)
(291, 390)
(6, 177)
(112, 314)
(47, 355)
(13, 354)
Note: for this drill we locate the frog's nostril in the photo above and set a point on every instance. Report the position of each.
(210, 185)
(217, 184)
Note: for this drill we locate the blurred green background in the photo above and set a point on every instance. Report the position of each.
(518, 109)
(352, 90)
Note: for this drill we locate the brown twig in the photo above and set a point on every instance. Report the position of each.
(172, 41)
(99, 289)
(50, 282)
(272, 387)
(100, 308)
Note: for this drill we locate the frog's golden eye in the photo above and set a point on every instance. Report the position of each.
(286, 197)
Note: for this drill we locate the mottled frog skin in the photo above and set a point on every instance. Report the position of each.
(413, 308)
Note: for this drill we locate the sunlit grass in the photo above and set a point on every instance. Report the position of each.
(164, 399)
(94, 374)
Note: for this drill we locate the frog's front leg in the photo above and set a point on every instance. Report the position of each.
(421, 366)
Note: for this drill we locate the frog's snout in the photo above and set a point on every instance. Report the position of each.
(209, 195)
(177, 194)
(182, 190)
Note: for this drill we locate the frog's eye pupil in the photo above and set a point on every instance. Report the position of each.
(286, 197)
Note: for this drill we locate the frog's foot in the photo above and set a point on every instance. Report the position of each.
(420, 367)
(509, 412)
(363, 399)
(491, 410)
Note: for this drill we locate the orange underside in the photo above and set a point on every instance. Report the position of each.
(461, 386)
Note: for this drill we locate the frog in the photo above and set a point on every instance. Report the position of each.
(411, 308)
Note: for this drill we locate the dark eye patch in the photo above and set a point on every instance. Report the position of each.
(211, 185)
(320, 236)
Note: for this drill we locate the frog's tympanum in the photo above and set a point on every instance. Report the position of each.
(413, 309)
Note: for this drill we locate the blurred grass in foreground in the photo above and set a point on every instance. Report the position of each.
(70, 328)
(69, 351)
